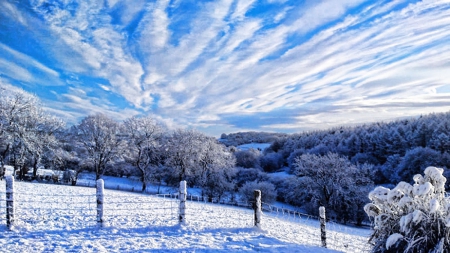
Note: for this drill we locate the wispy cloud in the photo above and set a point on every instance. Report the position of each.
(235, 64)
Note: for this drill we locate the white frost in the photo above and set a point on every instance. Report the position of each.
(405, 188)
(380, 194)
(434, 206)
(417, 216)
(322, 212)
(372, 210)
(405, 201)
(404, 222)
(418, 179)
(423, 189)
(394, 196)
(393, 239)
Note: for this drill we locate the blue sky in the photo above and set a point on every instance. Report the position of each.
(230, 65)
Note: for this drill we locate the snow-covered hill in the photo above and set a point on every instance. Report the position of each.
(258, 146)
(57, 218)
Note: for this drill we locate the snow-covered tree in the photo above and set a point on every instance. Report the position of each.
(248, 158)
(143, 135)
(183, 149)
(216, 172)
(334, 182)
(268, 191)
(418, 159)
(271, 162)
(27, 132)
(102, 139)
(411, 218)
(244, 175)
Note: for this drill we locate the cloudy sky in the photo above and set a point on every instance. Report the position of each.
(223, 66)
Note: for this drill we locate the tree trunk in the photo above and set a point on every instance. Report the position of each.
(144, 186)
(35, 168)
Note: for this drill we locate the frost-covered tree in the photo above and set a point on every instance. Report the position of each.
(248, 158)
(334, 182)
(268, 191)
(271, 162)
(244, 175)
(183, 149)
(216, 172)
(143, 135)
(102, 139)
(43, 139)
(416, 160)
(411, 218)
(27, 132)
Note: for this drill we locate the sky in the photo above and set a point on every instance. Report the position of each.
(225, 66)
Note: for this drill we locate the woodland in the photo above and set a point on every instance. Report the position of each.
(335, 168)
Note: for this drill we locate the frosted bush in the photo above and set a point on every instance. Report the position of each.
(411, 218)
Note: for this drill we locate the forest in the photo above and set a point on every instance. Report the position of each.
(335, 168)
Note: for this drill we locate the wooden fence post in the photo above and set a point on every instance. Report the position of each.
(323, 235)
(9, 201)
(257, 208)
(182, 198)
(100, 198)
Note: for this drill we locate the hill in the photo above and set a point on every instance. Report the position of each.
(62, 218)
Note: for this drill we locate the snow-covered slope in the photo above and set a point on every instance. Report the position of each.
(57, 218)
(253, 145)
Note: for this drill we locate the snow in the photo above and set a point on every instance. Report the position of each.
(434, 206)
(417, 216)
(379, 194)
(393, 239)
(423, 189)
(404, 222)
(120, 183)
(322, 212)
(59, 218)
(253, 145)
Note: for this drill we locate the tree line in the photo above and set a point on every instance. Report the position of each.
(335, 168)
(138, 146)
(338, 167)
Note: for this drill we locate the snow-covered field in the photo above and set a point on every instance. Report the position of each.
(58, 218)
(254, 145)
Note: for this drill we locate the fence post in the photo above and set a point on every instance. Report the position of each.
(182, 198)
(9, 201)
(323, 235)
(257, 208)
(100, 198)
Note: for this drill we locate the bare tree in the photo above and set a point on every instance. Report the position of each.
(215, 168)
(26, 131)
(143, 136)
(334, 182)
(183, 151)
(102, 139)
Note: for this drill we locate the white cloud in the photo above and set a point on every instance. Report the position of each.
(242, 6)
(381, 61)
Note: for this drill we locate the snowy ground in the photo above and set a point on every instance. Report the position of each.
(253, 145)
(58, 218)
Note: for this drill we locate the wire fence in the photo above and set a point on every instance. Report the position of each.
(128, 210)
(214, 212)
(140, 211)
(353, 239)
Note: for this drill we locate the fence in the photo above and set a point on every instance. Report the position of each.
(126, 210)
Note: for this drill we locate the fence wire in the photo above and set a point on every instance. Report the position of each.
(339, 237)
(128, 210)
(138, 210)
(58, 211)
(215, 211)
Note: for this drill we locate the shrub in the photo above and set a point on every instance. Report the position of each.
(411, 218)
(268, 192)
(248, 158)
